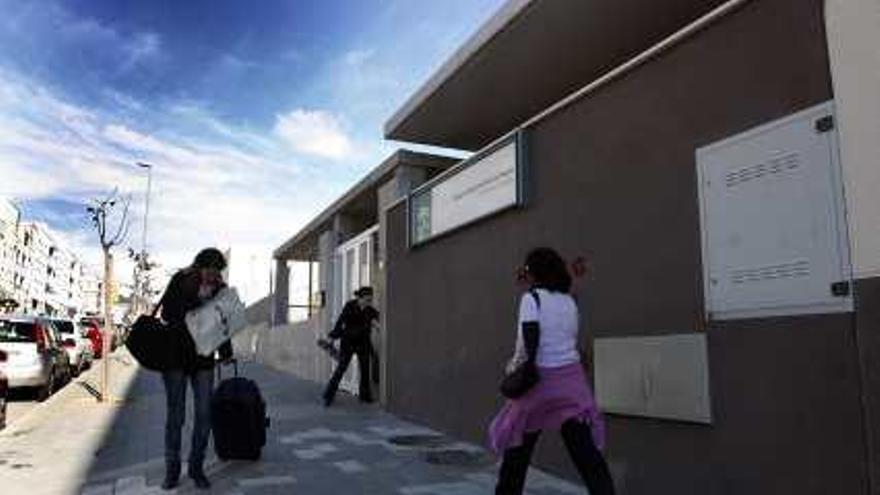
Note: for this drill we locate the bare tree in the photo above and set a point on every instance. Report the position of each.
(110, 219)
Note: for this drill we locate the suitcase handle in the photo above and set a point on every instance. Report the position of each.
(220, 369)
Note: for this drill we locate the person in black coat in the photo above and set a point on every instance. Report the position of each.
(188, 289)
(353, 328)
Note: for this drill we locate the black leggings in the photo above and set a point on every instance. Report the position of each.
(579, 442)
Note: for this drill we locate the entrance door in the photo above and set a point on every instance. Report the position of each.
(355, 258)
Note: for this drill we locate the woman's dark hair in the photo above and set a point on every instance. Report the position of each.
(548, 270)
(364, 291)
(210, 258)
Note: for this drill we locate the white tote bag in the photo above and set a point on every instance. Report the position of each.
(216, 321)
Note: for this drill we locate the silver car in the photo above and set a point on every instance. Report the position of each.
(35, 356)
(78, 347)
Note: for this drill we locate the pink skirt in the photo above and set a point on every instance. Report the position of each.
(560, 395)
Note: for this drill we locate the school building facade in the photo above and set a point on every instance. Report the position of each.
(718, 161)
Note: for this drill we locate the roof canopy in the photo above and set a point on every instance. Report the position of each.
(531, 54)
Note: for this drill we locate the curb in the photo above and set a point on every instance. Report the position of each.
(19, 426)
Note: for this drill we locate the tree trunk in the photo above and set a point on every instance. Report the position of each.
(108, 324)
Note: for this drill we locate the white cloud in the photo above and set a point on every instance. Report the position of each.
(314, 132)
(216, 185)
(140, 48)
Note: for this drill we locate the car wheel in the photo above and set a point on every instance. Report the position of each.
(46, 390)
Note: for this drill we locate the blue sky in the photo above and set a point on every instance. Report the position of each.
(257, 114)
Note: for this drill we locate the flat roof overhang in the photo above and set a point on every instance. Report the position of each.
(528, 56)
(360, 200)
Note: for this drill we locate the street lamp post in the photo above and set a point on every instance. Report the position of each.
(140, 296)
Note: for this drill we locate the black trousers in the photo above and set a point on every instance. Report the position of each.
(347, 349)
(579, 443)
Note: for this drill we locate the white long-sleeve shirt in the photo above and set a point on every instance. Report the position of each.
(557, 318)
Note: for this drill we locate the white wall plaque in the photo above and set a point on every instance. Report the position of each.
(483, 185)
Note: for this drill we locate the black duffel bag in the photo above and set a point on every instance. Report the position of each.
(153, 343)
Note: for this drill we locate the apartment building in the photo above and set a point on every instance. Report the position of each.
(39, 273)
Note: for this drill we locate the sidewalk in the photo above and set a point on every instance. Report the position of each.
(73, 445)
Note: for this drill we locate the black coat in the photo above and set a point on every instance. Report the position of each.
(181, 297)
(355, 324)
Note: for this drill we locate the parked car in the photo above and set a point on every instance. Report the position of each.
(78, 346)
(4, 391)
(35, 356)
(93, 333)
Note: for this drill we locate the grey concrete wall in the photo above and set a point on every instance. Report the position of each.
(260, 311)
(614, 175)
(289, 348)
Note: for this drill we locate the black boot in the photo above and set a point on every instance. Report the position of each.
(172, 475)
(198, 476)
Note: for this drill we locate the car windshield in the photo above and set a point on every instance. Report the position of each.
(64, 326)
(16, 331)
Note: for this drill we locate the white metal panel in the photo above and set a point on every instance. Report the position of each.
(772, 219)
(853, 28)
(659, 377)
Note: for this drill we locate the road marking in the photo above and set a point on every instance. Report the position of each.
(266, 481)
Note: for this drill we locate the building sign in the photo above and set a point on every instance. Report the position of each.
(485, 184)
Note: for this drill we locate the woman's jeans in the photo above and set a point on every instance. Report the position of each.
(579, 443)
(202, 382)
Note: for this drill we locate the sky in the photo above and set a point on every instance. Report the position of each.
(255, 115)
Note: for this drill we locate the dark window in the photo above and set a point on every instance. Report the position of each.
(64, 326)
(16, 331)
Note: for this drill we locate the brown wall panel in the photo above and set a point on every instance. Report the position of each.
(614, 175)
(867, 292)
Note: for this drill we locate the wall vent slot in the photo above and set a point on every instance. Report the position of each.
(775, 166)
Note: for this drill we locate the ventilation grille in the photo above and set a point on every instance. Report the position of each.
(775, 166)
(796, 269)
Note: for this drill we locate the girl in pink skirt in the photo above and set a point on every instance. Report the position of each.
(562, 399)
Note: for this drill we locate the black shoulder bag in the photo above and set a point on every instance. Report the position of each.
(525, 376)
(152, 343)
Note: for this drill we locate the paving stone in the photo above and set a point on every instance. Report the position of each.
(119, 449)
(350, 466)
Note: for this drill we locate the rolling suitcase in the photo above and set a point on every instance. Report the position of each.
(238, 418)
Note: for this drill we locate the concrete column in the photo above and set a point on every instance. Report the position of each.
(404, 180)
(327, 274)
(282, 291)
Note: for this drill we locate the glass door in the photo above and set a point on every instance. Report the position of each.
(356, 260)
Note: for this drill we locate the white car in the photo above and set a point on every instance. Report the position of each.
(78, 347)
(35, 356)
